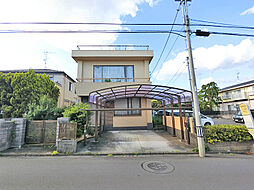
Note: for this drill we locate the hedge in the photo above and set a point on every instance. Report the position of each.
(226, 133)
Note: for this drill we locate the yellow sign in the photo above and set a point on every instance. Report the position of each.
(244, 109)
(251, 131)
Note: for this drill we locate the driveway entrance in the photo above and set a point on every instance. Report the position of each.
(135, 141)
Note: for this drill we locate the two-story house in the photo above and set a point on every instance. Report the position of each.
(233, 96)
(63, 81)
(100, 69)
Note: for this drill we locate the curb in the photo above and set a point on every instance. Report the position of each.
(94, 154)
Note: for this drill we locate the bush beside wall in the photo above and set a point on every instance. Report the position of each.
(226, 133)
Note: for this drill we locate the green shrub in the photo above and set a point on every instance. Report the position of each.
(45, 110)
(157, 120)
(78, 113)
(226, 133)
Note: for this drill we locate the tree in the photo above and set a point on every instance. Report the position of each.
(156, 103)
(19, 90)
(209, 97)
(46, 110)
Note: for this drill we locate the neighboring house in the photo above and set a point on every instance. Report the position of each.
(100, 69)
(233, 96)
(63, 81)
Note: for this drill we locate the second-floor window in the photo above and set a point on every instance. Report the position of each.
(116, 73)
(70, 86)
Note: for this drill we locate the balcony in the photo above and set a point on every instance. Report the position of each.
(114, 80)
(235, 96)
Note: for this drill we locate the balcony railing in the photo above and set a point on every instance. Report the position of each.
(113, 47)
(96, 80)
(236, 96)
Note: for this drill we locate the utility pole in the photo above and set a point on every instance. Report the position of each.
(200, 136)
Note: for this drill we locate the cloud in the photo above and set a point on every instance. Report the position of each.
(248, 11)
(212, 58)
(26, 50)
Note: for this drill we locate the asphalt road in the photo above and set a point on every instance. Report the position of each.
(218, 121)
(122, 173)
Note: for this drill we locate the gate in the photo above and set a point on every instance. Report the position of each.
(41, 132)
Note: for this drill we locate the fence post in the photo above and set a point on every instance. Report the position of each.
(85, 129)
(165, 116)
(181, 116)
(43, 131)
(173, 119)
(96, 121)
(104, 121)
(100, 132)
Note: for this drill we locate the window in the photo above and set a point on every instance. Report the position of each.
(70, 86)
(121, 73)
(128, 103)
(84, 99)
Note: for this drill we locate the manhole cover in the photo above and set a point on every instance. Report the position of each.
(158, 167)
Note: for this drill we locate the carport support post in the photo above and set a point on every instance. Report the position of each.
(181, 116)
(173, 118)
(96, 121)
(104, 120)
(100, 123)
(85, 128)
(165, 116)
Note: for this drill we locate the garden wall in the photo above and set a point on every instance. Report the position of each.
(12, 133)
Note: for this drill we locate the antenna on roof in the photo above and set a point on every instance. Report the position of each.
(237, 76)
(46, 57)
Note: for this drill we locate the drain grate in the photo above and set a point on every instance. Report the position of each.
(158, 167)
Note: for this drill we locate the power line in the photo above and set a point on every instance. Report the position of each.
(167, 55)
(175, 73)
(212, 24)
(165, 45)
(90, 23)
(179, 74)
(176, 32)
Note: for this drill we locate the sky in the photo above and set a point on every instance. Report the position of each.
(227, 60)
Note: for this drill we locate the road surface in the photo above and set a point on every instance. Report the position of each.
(232, 172)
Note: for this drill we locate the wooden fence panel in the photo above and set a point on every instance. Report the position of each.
(41, 132)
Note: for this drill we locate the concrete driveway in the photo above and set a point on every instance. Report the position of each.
(135, 141)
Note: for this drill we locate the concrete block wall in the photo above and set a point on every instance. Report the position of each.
(12, 133)
(59, 121)
(5, 134)
(20, 130)
(69, 145)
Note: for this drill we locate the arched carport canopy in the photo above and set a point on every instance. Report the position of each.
(166, 94)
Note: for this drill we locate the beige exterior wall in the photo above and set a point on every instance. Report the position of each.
(140, 59)
(87, 59)
(135, 121)
(85, 75)
(66, 97)
(235, 96)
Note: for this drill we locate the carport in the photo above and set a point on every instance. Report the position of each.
(172, 98)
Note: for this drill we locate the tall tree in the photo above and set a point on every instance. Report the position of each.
(19, 90)
(209, 97)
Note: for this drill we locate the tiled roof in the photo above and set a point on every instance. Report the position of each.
(36, 71)
(238, 85)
